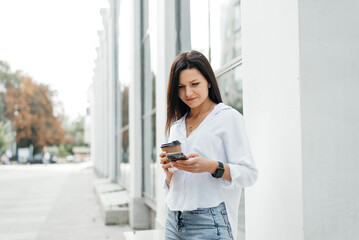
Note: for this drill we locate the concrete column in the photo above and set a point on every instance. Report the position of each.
(139, 212)
(110, 94)
(166, 52)
(305, 146)
(111, 88)
(329, 76)
(104, 96)
(274, 205)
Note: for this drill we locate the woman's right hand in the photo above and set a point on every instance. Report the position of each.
(165, 165)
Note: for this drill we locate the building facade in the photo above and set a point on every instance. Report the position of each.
(276, 62)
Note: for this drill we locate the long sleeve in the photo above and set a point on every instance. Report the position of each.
(239, 156)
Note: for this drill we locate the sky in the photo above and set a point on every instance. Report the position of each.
(54, 42)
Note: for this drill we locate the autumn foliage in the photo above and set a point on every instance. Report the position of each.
(30, 108)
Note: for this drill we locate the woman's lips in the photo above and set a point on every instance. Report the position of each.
(190, 99)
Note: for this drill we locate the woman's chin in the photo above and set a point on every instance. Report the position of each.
(192, 104)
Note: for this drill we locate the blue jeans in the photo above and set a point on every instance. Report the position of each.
(203, 223)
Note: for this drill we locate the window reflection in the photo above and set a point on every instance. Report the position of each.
(149, 124)
(216, 30)
(199, 26)
(124, 100)
(149, 67)
(230, 85)
(226, 14)
(125, 165)
(124, 78)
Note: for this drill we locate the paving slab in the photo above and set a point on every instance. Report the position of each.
(52, 202)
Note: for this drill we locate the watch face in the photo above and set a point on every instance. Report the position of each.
(219, 172)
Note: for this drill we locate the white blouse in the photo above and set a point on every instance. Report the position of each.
(220, 137)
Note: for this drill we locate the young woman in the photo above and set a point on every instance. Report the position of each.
(204, 193)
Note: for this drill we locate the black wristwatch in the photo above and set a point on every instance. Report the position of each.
(219, 171)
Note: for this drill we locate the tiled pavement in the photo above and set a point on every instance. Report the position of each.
(51, 202)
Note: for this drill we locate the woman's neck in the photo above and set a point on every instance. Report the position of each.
(205, 106)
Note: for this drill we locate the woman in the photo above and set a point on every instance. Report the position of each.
(203, 194)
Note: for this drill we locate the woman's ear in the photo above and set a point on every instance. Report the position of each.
(209, 85)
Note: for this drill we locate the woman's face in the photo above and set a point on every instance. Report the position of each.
(193, 87)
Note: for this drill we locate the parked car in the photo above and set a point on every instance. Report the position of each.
(37, 158)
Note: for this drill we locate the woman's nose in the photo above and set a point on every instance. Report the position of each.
(188, 92)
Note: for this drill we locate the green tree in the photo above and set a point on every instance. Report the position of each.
(74, 135)
(6, 136)
(7, 77)
(76, 131)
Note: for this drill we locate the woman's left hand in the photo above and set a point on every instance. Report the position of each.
(196, 164)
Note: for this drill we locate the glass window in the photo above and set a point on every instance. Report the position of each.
(124, 78)
(199, 26)
(149, 124)
(216, 30)
(230, 85)
(149, 97)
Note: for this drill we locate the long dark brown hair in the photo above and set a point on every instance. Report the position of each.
(176, 108)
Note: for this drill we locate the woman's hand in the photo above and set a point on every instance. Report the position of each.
(196, 164)
(165, 165)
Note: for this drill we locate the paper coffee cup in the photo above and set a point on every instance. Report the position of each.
(171, 147)
(174, 146)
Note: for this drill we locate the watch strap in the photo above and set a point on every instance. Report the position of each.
(219, 171)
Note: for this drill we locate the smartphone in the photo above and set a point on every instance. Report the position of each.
(176, 156)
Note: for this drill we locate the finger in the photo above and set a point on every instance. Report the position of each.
(164, 160)
(185, 162)
(162, 154)
(168, 172)
(183, 165)
(167, 165)
(192, 155)
(178, 165)
(188, 168)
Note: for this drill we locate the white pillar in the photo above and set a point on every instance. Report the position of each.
(139, 212)
(306, 146)
(110, 94)
(166, 52)
(274, 205)
(329, 76)
(104, 96)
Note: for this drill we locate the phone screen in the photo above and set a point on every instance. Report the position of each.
(176, 156)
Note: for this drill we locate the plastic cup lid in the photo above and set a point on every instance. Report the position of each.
(171, 144)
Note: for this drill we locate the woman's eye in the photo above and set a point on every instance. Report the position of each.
(194, 84)
(180, 86)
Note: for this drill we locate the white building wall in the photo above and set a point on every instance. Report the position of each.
(104, 95)
(104, 113)
(110, 97)
(111, 90)
(98, 109)
(302, 121)
(100, 106)
(300, 88)
(94, 118)
(274, 205)
(329, 76)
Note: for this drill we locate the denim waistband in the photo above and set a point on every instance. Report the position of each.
(178, 214)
